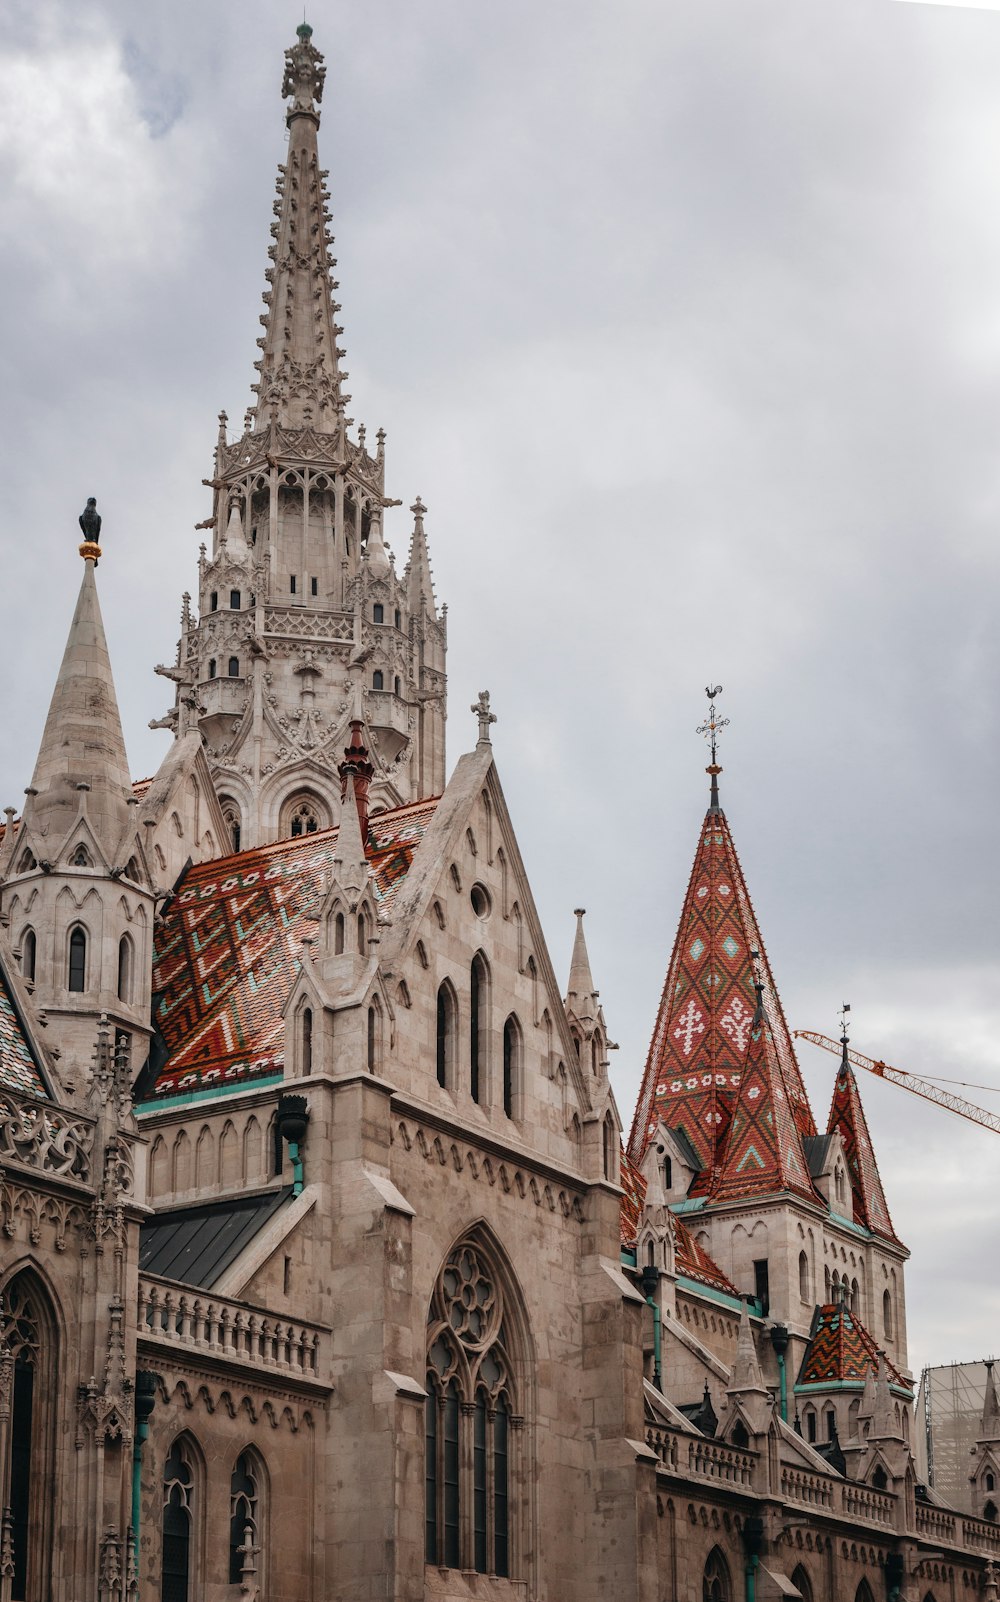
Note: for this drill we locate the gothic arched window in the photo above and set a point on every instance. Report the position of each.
(378, 679)
(803, 1277)
(479, 994)
(177, 1558)
(213, 667)
(446, 1016)
(301, 814)
(887, 1314)
(234, 667)
(374, 1036)
(511, 1066)
(77, 973)
(246, 1520)
(611, 1165)
(29, 949)
(307, 1040)
(802, 1583)
(471, 1416)
(990, 1512)
(27, 1363)
(125, 969)
(716, 1585)
(233, 819)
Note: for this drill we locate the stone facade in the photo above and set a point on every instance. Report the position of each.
(324, 1271)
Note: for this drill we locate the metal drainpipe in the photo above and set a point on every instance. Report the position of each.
(145, 1400)
(753, 1540)
(779, 1340)
(293, 1120)
(650, 1279)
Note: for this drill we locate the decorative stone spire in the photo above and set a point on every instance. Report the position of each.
(847, 1118)
(989, 1431)
(81, 760)
(581, 996)
(419, 583)
(746, 1385)
(866, 1411)
(300, 361)
(481, 708)
(376, 555)
(350, 866)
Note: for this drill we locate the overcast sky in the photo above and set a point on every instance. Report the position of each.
(684, 318)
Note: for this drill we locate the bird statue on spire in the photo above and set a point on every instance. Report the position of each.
(90, 527)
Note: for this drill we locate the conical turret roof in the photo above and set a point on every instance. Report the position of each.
(703, 1025)
(300, 374)
(847, 1118)
(82, 744)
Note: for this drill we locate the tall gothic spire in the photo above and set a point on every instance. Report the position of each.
(703, 1027)
(300, 375)
(581, 996)
(81, 761)
(418, 580)
(847, 1117)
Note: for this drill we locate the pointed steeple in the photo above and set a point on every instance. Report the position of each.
(81, 763)
(581, 996)
(847, 1118)
(300, 374)
(763, 1151)
(866, 1411)
(989, 1428)
(376, 555)
(350, 865)
(704, 1020)
(418, 580)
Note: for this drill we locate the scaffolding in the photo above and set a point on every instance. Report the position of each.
(950, 1403)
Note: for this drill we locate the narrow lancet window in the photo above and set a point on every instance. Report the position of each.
(77, 960)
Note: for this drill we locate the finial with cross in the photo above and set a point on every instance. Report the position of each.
(710, 729)
(481, 708)
(845, 1025)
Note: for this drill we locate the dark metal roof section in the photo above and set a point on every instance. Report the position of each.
(686, 1149)
(197, 1244)
(816, 1148)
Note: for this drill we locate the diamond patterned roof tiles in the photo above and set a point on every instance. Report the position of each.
(763, 1150)
(229, 949)
(848, 1117)
(690, 1259)
(702, 1028)
(18, 1068)
(841, 1351)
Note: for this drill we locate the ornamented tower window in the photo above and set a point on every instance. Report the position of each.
(472, 1421)
(77, 974)
(301, 815)
(29, 948)
(245, 1518)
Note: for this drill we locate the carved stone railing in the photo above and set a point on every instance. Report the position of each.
(303, 624)
(38, 1135)
(977, 1535)
(937, 1523)
(664, 1443)
(869, 1506)
(807, 1488)
(198, 1322)
(711, 1460)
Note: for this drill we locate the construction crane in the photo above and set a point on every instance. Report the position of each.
(910, 1082)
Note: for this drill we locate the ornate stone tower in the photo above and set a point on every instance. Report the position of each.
(301, 612)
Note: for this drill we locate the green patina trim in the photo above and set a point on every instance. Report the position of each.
(848, 1223)
(211, 1094)
(629, 1259)
(722, 1297)
(815, 1386)
(694, 1205)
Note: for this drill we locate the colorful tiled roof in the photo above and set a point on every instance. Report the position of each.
(763, 1151)
(229, 950)
(633, 1195)
(841, 1351)
(693, 1261)
(703, 1025)
(847, 1115)
(18, 1067)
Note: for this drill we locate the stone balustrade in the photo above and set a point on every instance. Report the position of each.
(868, 1506)
(807, 1488)
(196, 1321)
(713, 1460)
(664, 1443)
(978, 1535)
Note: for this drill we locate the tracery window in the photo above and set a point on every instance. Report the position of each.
(302, 815)
(178, 1510)
(716, 1585)
(231, 814)
(471, 1417)
(27, 1357)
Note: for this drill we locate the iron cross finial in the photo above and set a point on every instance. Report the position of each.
(845, 1028)
(481, 708)
(710, 729)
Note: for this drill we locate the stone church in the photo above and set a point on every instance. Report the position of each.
(325, 1272)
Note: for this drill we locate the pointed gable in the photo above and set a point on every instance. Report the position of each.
(841, 1353)
(848, 1119)
(703, 1025)
(691, 1261)
(763, 1150)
